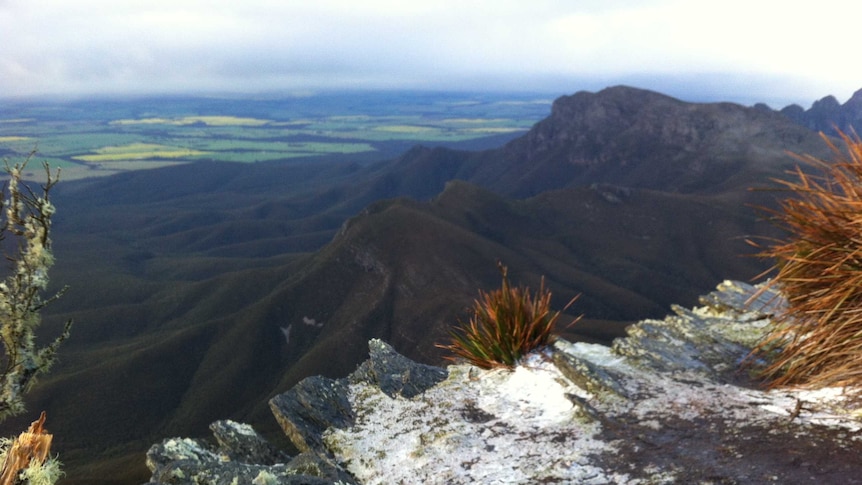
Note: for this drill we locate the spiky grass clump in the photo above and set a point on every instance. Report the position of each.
(817, 340)
(506, 324)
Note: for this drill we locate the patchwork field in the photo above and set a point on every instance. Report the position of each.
(96, 138)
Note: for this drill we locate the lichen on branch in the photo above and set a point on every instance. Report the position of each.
(25, 229)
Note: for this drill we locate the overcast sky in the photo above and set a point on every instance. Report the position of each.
(737, 50)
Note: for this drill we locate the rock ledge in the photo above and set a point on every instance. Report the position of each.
(666, 404)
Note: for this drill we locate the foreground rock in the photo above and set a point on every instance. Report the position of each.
(305, 412)
(667, 404)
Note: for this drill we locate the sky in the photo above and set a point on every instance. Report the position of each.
(778, 52)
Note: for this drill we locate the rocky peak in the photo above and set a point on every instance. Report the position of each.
(795, 113)
(623, 136)
(853, 106)
(639, 138)
(827, 114)
(827, 104)
(855, 101)
(592, 120)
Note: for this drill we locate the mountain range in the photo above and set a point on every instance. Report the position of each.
(829, 115)
(200, 290)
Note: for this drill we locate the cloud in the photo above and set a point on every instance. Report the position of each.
(89, 46)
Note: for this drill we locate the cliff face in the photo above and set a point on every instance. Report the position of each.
(631, 137)
(634, 138)
(667, 403)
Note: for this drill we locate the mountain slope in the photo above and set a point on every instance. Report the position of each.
(201, 290)
(635, 138)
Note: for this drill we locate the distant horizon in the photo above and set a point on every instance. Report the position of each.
(681, 92)
(737, 51)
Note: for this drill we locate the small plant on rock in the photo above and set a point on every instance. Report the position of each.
(506, 324)
(817, 340)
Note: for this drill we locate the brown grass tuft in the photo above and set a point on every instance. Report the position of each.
(817, 340)
(506, 324)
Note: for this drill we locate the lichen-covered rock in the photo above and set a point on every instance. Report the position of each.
(239, 441)
(586, 375)
(712, 339)
(395, 374)
(241, 456)
(665, 404)
(310, 408)
(313, 465)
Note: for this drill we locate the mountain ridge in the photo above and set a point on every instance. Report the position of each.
(637, 138)
(207, 288)
(828, 115)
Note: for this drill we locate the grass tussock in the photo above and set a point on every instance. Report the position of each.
(817, 340)
(506, 324)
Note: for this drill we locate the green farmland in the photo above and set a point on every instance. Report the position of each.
(102, 137)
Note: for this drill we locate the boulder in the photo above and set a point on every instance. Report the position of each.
(310, 408)
(240, 441)
(241, 455)
(395, 374)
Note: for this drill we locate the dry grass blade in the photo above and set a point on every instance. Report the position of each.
(30, 448)
(817, 341)
(506, 324)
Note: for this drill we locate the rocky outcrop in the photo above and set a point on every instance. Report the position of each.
(669, 403)
(827, 114)
(305, 413)
(317, 403)
(637, 138)
(240, 456)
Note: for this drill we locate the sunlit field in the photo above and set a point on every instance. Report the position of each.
(97, 138)
(190, 120)
(138, 151)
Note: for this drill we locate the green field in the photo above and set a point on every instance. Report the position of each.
(93, 138)
(191, 120)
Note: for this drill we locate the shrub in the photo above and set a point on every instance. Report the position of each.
(506, 324)
(25, 227)
(817, 339)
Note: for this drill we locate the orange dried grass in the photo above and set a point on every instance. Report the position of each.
(29, 448)
(506, 324)
(817, 340)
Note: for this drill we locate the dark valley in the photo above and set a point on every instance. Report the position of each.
(201, 290)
